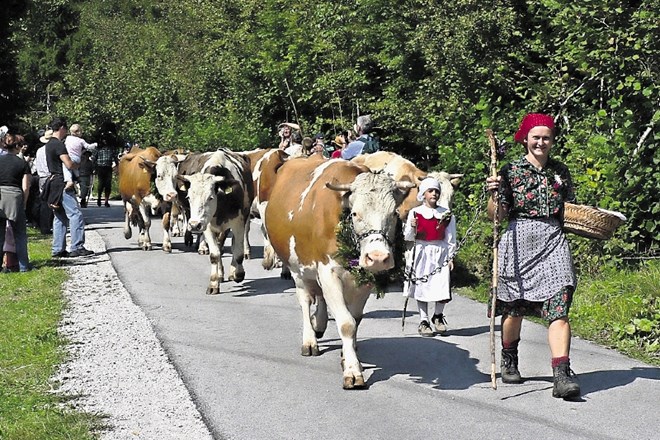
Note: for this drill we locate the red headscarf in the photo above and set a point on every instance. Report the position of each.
(530, 121)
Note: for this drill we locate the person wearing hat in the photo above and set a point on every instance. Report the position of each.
(432, 228)
(536, 274)
(319, 146)
(285, 133)
(340, 142)
(41, 166)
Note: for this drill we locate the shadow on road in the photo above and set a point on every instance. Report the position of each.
(447, 367)
(607, 379)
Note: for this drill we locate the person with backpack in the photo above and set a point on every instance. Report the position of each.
(366, 142)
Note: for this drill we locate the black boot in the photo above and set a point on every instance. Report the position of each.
(566, 385)
(509, 366)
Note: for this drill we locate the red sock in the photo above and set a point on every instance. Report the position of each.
(559, 360)
(510, 345)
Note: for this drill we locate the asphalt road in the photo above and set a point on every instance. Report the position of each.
(239, 355)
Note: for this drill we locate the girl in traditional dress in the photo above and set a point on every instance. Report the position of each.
(536, 274)
(433, 229)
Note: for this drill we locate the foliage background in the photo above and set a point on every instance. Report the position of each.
(200, 74)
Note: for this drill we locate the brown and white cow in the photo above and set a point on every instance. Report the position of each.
(136, 173)
(403, 169)
(305, 207)
(264, 166)
(220, 196)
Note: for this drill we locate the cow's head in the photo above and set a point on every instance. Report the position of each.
(372, 199)
(166, 173)
(204, 193)
(447, 184)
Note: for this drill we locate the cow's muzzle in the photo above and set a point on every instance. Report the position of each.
(195, 226)
(377, 261)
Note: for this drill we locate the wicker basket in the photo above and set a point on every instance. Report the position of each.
(591, 222)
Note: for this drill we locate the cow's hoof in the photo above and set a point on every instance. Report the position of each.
(167, 249)
(351, 382)
(308, 350)
(128, 235)
(319, 334)
(213, 291)
(237, 277)
(285, 275)
(203, 251)
(146, 247)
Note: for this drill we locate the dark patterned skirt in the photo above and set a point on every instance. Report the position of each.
(551, 309)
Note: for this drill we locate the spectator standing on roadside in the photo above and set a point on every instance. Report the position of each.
(365, 143)
(85, 177)
(75, 146)
(64, 201)
(45, 213)
(105, 158)
(14, 190)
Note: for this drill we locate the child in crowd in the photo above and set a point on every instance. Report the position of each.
(433, 230)
(75, 145)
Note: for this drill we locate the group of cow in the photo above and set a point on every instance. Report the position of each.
(300, 202)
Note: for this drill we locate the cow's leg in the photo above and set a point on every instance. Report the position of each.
(145, 238)
(305, 293)
(333, 292)
(167, 240)
(174, 222)
(236, 271)
(320, 316)
(203, 247)
(246, 240)
(215, 255)
(128, 212)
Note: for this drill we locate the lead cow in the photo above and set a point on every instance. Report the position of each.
(304, 210)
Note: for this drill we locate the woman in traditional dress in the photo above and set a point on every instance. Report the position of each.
(433, 229)
(536, 274)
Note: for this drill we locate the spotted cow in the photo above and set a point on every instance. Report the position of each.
(136, 173)
(305, 207)
(220, 196)
(168, 167)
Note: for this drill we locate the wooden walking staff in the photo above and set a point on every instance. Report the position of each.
(496, 233)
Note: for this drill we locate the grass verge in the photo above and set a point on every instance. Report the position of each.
(619, 309)
(31, 305)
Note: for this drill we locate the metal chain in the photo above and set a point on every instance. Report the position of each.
(408, 275)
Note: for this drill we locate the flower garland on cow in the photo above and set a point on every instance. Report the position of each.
(348, 253)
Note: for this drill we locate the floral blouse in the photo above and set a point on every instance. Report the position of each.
(532, 193)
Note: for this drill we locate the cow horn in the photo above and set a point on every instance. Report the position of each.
(404, 184)
(338, 186)
(456, 176)
(217, 179)
(147, 161)
(420, 178)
